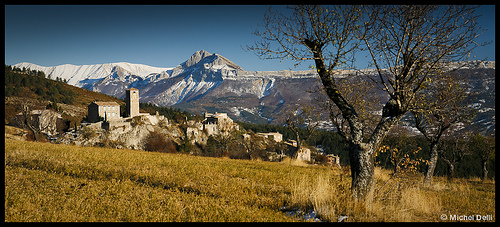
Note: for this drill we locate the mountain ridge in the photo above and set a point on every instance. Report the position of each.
(213, 83)
(74, 74)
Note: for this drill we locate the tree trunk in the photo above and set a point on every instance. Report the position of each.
(432, 163)
(299, 145)
(360, 153)
(451, 167)
(362, 169)
(485, 170)
(451, 171)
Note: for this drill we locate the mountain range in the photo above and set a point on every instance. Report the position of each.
(212, 83)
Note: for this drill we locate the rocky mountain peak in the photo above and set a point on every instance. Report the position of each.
(195, 58)
(224, 61)
(203, 57)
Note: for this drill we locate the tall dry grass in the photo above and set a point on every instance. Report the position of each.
(398, 200)
(328, 196)
(49, 182)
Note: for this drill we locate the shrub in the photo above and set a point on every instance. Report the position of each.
(238, 151)
(159, 142)
(137, 120)
(88, 133)
(211, 149)
(109, 143)
(321, 159)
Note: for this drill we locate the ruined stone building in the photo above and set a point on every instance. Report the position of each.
(212, 124)
(333, 160)
(276, 136)
(103, 110)
(304, 153)
(106, 115)
(110, 111)
(129, 131)
(47, 121)
(218, 123)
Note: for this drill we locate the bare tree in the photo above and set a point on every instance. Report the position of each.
(440, 106)
(252, 143)
(453, 148)
(358, 91)
(407, 45)
(297, 117)
(33, 121)
(484, 148)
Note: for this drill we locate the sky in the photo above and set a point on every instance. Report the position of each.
(161, 36)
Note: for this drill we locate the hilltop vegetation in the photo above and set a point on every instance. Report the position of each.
(49, 182)
(31, 86)
(36, 85)
(18, 81)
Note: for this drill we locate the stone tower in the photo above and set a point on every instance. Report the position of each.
(132, 101)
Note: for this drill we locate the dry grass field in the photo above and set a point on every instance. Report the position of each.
(49, 182)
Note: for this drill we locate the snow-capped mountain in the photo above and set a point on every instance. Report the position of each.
(85, 75)
(190, 80)
(213, 83)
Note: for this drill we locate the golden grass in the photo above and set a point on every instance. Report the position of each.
(398, 201)
(15, 133)
(49, 182)
(294, 161)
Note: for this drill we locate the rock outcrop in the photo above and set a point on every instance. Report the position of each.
(129, 133)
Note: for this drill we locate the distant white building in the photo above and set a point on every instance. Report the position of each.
(304, 154)
(276, 136)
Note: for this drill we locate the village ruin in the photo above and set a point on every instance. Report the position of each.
(104, 122)
(106, 116)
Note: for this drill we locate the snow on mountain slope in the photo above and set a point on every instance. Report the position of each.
(184, 90)
(211, 82)
(81, 75)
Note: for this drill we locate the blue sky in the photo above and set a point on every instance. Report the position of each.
(162, 36)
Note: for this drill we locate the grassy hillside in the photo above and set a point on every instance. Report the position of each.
(49, 182)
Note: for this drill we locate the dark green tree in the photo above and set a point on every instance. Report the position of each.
(484, 148)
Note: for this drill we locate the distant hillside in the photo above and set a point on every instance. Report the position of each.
(22, 85)
(84, 75)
